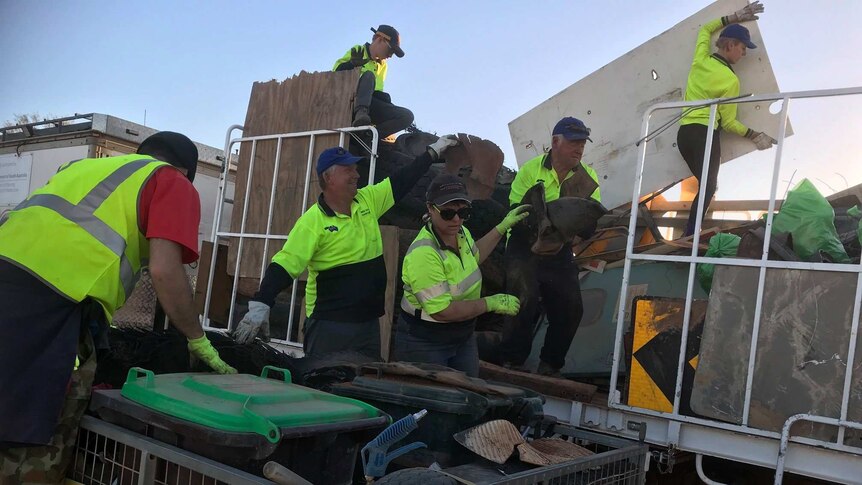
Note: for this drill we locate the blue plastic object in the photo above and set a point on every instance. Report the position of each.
(375, 458)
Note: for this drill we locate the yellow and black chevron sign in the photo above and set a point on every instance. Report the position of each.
(655, 341)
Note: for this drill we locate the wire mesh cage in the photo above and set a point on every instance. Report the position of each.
(108, 455)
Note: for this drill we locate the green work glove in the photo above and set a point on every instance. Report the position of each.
(503, 304)
(514, 216)
(204, 350)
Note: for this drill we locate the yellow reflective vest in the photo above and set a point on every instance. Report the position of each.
(79, 233)
(378, 68)
(435, 275)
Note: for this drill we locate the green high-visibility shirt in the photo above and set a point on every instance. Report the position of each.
(343, 254)
(378, 68)
(710, 77)
(539, 169)
(435, 275)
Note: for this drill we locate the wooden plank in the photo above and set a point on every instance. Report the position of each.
(305, 102)
(717, 205)
(222, 285)
(391, 250)
(549, 386)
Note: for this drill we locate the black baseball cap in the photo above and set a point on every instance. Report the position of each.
(179, 150)
(392, 37)
(446, 188)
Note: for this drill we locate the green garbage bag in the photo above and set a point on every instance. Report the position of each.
(722, 245)
(855, 212)
(810, 220)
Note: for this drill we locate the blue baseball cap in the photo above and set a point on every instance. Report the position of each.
(572, 129)
(738, 32)
(335, 156)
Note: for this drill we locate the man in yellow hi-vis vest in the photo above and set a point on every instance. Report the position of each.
(70, 255)
(372, 105)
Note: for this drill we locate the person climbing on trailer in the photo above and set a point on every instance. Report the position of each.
(70, 255)
(443, 283)
(372, 105)
(711, 77)
(555, 277)
(338, 240)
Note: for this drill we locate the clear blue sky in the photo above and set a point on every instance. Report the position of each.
(470, 66)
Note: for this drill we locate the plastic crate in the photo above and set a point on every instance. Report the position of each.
(109, 455)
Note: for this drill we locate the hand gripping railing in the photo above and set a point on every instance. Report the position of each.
(268, 235)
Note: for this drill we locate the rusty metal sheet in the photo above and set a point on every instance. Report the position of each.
(551, 451)
(483, 157)
(802, 349)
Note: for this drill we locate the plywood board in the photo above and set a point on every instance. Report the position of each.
(613, 100)
(802, 349)
(305, 102)
(391, 249)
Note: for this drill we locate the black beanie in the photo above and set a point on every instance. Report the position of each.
(178, 150)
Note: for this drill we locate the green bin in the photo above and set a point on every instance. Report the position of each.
(244, 420)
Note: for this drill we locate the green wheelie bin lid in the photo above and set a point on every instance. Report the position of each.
(241, 402)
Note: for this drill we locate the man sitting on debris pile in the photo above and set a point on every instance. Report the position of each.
(372, 105)
(338, 240)
(555, 277)
(70, 255)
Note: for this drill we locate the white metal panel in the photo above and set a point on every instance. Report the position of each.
(46, 162)
(14, 179)
(612, 101)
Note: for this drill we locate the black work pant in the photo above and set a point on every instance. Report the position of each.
(387, 117)
(691, 141)
(555, 280)
(328, 336)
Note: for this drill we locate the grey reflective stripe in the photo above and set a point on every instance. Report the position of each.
(426, 242)
(474, 249)
(83, 215)
(466, 283)
(409, 308)
(432, 292)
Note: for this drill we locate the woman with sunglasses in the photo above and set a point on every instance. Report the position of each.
(443, 283)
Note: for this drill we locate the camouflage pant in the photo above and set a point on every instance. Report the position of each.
(49, 463)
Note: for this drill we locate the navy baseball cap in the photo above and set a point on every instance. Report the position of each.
(738, 32)
(446, 188)
(393, 38)
(335, 156)
(572, 129)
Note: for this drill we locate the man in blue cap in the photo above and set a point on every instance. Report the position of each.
(372, 105)
(711, 76)
(555, 277)
(338, 240)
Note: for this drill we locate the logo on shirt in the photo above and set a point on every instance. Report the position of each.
(365, 212)
(331, 228)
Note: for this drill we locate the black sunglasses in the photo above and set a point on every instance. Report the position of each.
(448, 214)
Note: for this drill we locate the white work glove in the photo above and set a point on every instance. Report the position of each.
(442, 143)
(255, 321)
(747, 13)
(762, 140)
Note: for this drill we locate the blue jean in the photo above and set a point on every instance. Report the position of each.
(462, 356)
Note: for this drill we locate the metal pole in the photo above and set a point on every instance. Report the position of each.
(309, 162)
(263, 258)
(692, 265)
(241, 238)
(851, 356)
(764, 256)
(613, 394)
(222, 188)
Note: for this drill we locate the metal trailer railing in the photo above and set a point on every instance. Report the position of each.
(242, 235)
(106, 454)
(616, 462)
(782, 439)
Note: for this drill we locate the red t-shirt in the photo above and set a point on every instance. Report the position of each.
(170, 208)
